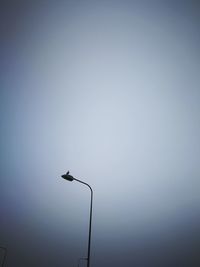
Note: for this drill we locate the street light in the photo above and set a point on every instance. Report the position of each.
(70, 178)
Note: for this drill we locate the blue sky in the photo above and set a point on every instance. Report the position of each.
(110, 91)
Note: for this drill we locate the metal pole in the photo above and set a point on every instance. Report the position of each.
(90, 228)
(90, 222)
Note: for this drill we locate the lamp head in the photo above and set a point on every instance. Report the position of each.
(68, 177)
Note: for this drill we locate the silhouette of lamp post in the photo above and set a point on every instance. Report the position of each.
(70, 178)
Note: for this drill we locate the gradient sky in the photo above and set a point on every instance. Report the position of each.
(110, 91)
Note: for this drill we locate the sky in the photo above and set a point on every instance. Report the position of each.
(108, 90)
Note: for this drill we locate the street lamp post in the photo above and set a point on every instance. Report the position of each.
(70, 178)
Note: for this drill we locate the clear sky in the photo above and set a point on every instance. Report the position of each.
(110, 91)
